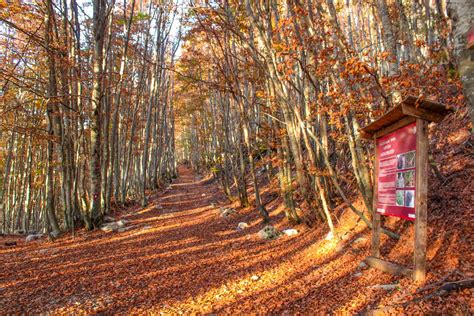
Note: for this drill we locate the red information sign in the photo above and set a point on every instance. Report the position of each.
(396, 173)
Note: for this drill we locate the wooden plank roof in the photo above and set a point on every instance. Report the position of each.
(411, 106)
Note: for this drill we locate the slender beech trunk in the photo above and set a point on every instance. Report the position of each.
(462, 14)
(99, 19)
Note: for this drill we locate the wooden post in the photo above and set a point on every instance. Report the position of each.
(375, 216)
(421, 199)
(411, 110)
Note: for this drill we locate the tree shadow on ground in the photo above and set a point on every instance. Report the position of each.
(157, 261)
(188, 252)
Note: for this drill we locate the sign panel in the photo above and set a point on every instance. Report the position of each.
(396, 173)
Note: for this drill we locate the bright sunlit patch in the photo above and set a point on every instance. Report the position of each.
(146, 209)
(326, 247)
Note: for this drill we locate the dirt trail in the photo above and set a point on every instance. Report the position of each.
(181, 256)
(178, 252)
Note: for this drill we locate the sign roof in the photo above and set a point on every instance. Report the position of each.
(410, 107)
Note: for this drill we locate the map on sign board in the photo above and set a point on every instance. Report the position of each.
(396, 154)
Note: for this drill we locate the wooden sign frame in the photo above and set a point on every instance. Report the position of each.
(407, 112)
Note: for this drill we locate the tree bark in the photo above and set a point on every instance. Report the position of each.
(99, 17)
(462, 14)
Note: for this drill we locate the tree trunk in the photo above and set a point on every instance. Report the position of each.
(99, 9)
(52, 111)
(462, 14)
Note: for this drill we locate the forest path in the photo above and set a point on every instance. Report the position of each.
(178, 247)
(179, 256)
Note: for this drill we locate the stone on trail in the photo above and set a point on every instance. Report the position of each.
(108, 219)
(329, 236)
(33, 237)
(269, 233)
(242, 226)
(362, 265)
(115, 226)
(121, 223)
(226, 211)
(290, 232)
(109, 227)
(254, 278)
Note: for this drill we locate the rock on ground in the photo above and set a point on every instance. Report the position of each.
(226, 211)
(115, 226)
(290, 232)
(242, 226)
(110, 227)
(121, 223)
(254, 278)
(329, 236)
(268, 233)
(109, 219)
(33, 237)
